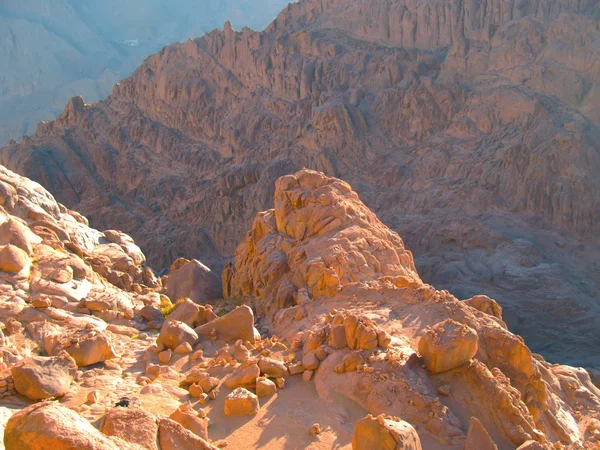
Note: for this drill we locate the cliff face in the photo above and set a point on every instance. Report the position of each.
(53, 50)
(472, 128)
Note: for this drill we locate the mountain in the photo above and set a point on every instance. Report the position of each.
(327, 338)
(470, 128)
(55, 49)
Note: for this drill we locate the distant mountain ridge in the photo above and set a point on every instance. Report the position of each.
(54, 49)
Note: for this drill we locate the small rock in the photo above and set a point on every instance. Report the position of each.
(265, 387)
(184, 348)
(315, 429)
(165, 356)
(307, 375)
(241, 402)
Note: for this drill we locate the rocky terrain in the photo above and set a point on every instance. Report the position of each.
(53, 50)
(320, 334)
(470, 128)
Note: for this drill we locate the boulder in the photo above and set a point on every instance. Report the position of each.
(173, 333)
(478, 437)
(49, 425)
(12, 259)
(265, 387)
(273, 368)
(244, 375)
(185, 311)
(133, 425)
(238, 324)
(172, 435)
(188, 417)
(448, 345)
(40, 377)
(92, 348)
(384, 434)
(241, 402)
(195, 281)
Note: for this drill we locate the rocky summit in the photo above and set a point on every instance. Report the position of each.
(319, 334)
(471, 128)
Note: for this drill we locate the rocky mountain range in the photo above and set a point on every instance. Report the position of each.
(471, 128)
(54, 49)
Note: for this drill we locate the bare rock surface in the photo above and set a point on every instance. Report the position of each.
(471, 128)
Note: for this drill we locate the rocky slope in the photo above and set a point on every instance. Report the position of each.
(471, 128)
(53, 50)
(327, 338)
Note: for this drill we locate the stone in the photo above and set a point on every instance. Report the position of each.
(49, 425)
(273, 368)
(241, 402)
(184, 348)
(173, 333)
(195, 281)
(186, 416)
(238, 324)
(40, 377)
(165, 356)
(244, 375)
(447, 346)
(315, 429)
(383, 433)
(133, 425)
(92, 348)
(195, 390)
(265, 387)
(310, 361)
(307, 375)
(530, 445)
(478, 437)
(12, 259)
(173, 435)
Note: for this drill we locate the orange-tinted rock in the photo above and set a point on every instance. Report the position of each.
(384, 433)
(447, 346)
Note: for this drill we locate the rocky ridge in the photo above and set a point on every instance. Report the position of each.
(470, 128)
(326, 331)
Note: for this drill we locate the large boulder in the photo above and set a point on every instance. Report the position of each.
(238, 324)
(49, 425)
(41, 377)
(133, 425)
(92, 348)
(447, 345)
(244, 375)
(195, 281)
(384, 434)
(173, 333)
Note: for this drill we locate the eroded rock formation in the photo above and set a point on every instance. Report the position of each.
(472, 128)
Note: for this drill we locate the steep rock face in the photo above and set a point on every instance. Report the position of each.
(453, 121)
(517, 396)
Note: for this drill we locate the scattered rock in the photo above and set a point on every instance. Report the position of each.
(238, 324)
(133, 425)
(241, 402)
(478, 438)
(265, 387)
(173, 333)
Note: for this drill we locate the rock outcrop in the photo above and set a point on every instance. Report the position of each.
(471, 128)
(353, 273)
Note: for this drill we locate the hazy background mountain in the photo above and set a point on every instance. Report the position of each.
(54, 49)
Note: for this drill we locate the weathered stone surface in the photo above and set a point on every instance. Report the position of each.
(173, 435)
(195, 281)
(448, 345)
(241, 402)
(238, 324)
(49, 425)
(42, 377)
(384, 433)
(265, 387)
(12, 259)
(187, 417)
(478, 437)
(133, 425)
(245, 375)
(174, 333)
